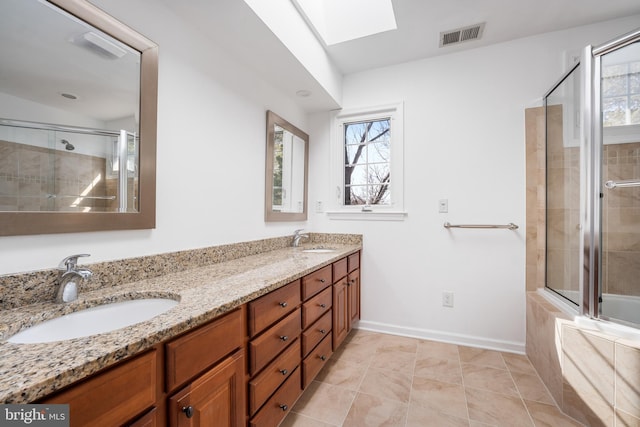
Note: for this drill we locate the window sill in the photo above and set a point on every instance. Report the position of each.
(368, 216)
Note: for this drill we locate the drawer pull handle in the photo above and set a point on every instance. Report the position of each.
(283, 304)
(284, 337)
(323, 305)
(188, 411)
(322, 331)
(284, 407)
(284, 371)
(323, 357)
(322, 280)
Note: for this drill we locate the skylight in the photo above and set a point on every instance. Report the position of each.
(338, 21)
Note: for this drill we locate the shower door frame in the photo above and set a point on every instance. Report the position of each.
(591, 173)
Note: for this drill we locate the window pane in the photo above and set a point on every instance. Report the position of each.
(380, 195)
(378, 152)
(356, 195)
(634, 107)
(614, 111)
(354, 132)
(634, 77)
(614, 80)
(379, 131)
(353, 153)
(356, 175)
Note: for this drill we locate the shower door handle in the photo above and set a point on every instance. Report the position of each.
(622, 184)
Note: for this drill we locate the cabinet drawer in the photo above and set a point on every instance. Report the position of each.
(339, 269)
(280, 403)
(263, 386)
(315, 282)
(192, 353)
(312, 336)
(113, 397)
(354, 261)
(312, 364)
(316, 307)
(275, 339)
(267, 309)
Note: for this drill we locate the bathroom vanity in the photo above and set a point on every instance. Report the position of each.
(272, 322)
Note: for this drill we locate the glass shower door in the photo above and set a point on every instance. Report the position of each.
(619, 275)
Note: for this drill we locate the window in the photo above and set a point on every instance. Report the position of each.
(621, 94)
(368, 159)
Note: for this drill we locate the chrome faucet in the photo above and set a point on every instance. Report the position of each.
(68, 277)
(296, 238)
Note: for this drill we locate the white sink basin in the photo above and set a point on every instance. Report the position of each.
(94, 320)
(319, 250)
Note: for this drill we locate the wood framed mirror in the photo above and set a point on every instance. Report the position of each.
(78, 116)
(287, 163)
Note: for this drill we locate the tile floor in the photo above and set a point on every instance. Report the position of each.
(385, 380)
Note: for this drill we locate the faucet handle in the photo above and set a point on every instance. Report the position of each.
(70, 262)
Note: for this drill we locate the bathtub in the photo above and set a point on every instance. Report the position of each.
(613, 306)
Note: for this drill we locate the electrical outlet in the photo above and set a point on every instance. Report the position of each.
(319, 207)
(443, 205)
(447, 299)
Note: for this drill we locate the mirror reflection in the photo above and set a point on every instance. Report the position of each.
(286, 177)
(69, 113)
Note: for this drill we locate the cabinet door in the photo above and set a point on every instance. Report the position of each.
(340, 312)
(217, 398)
(354, 297)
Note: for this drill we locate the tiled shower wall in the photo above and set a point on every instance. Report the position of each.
(593, 376)
(621, 220)
(29, 174)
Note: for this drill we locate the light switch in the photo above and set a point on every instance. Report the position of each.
(443, 205)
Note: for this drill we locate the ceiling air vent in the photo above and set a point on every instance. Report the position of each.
(459, 35)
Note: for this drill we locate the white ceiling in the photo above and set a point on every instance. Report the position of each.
(421, 21)
(234, 26)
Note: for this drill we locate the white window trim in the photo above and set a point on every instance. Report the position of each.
(395, 210)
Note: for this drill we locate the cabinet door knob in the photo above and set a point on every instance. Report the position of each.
(323, 357)
(284, 337)
(322, 280)
(322, 331)
(283, 304)
(284, 407)
(284, 371)
(323, 305)
(188, 411)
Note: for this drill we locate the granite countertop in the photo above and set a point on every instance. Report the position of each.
(31, 371)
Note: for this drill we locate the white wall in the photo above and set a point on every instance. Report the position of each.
(211, 147)
(464, 141)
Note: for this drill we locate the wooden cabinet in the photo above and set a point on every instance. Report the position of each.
(192, 353)
(113, 397)
(267, 350)
(346, 298)
(341, 323)
(275, 323)
(215, 398)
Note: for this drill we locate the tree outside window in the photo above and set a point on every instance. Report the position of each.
(367, 167)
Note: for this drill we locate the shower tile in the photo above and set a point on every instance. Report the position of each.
(627, 383)
(585, 408)
(625, 420)
(588, 371)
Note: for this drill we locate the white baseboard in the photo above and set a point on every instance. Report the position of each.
(467, 340)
